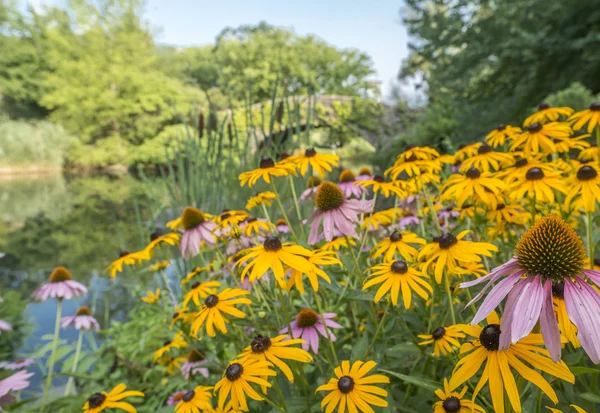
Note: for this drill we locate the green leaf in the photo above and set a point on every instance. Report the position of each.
(583, 370)
(591, 397)
(415, 380)
(358, 351)
(402, 349)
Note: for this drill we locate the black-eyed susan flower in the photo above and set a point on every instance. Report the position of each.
(197, 228)
(255, 227)
(398, 278)
(484, 348)
(276, 350)
(319, 162)
(454, 402)
(318, 258)
(335, 211)
(565, 326)
(577, 143)
(200, 290)
(311, 188)
(426, 153)
(583, 189)
(472, 268)
(228, 218)
(474, 186)
(228, 408)
(338, 243)
(486, 160)
(547, 113)
(466, 151)
(195, 272)
(376, 220)
(447, 250)
(353, 390)
(539, 138)
(413, 166)
(379, 185)
(194, 400)
(159, 266)
(538, 184)
(589, 154)
(508, 214)
(127, 258)
(211, 313)
(501, 134)
(444, 339)
(591, 116)
(266, 170)
(401, 242)
(98, 402)
(171, 364)
(521, 165)
(182, 314)
(157, 239)
(237, 379)
(261, 198)
(274, 254)
(177, 342)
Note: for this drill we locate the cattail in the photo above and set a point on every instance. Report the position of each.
(230, 132)
(201, 125)
(279, 113)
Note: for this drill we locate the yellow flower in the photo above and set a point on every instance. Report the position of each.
(172, 364)
(237, 378)
(352, 389)
(380, 186)
(501, 134)
(508, 214)
(210, 314)
(261, 198)
(577, 409)
(538, 184)
(546, 114)
(201, 290)
(193, 400)
(156, 240)
(151, 298)
(254, 226)
(319, 162)
(486, 160)
(452, 401)
(418, 152)
(273, 254)
(583, 189)
(398, 242)
(472, 268)
(178, 342)
(181, 314)
(337, 243)
(398, 277)
(484, 348)
(566, 327)
(591, 116)
(159, 266)
(473, 185)
(318, 258)
(374, 221)
(126, 258)
(520, 167)
(112, 400)
(413, 166)
(228, 218)
(228, 408)
(574, 143)
(540, 138)
(446, 251)
(266, 170)
(276, 350)
(589, 154)
(444, 339)
(196, 271)
(465, 151)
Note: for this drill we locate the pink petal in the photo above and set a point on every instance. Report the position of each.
(495, 297)
(549, 325)
(527, 307)
(583, 307)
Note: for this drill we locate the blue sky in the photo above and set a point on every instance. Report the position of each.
(371, 26)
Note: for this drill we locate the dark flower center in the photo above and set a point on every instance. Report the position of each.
(558, 290)
(543, 106)
(307, 318)
(447, 240)
(399, 267)
(225, 215)
(552, 249)
(409, 147)
(520, 162)
(451, 405)
(189, 395)
(411, 158)
(329, 196)
(534, 127)
(379, 178)
(501, 127)
(175, 315)
(283, 155)
(586, 173)
(266, 163)
(260, 344)
(156, 234)
(346, 384)
(500, 207)
(597, 261)
(490, 337)
(96, 400)
(191, 218)
(167, 343)
(272, 244)
(347, 176)
(195, 356)
(473, 173)
(438, 333)
(211, 301)
(310, 152)
(396, 236)
(123, 254)
(595, 106)
(234, 372)
(534, 174)
(483, 149)
(250, 220)
(60, 274)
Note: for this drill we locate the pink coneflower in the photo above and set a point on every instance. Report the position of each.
(82, 320)
(335, 211)
(60, 286)
(549, 261)
(17, 365)
(282, 226)
(175, 398)
(196, 228)
(4, 326)
(243, 242)
(408, 220)
(365, 174)
(193, 365)
(311, 188)
(348, 186)
(308, 325)
(16, 382)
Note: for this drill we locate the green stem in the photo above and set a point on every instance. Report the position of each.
(297, 206)
(278, 389)
(53, 354)
(75, 362)
(283, 210)
(590, 237)
(264, 208)
(449, 293)
(379, 327)
(598, 142)
(430, 205)
(331, 346)
(168, 287)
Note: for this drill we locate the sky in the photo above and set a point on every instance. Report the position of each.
(373, 27)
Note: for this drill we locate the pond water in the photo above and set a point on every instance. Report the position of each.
(79, 222)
